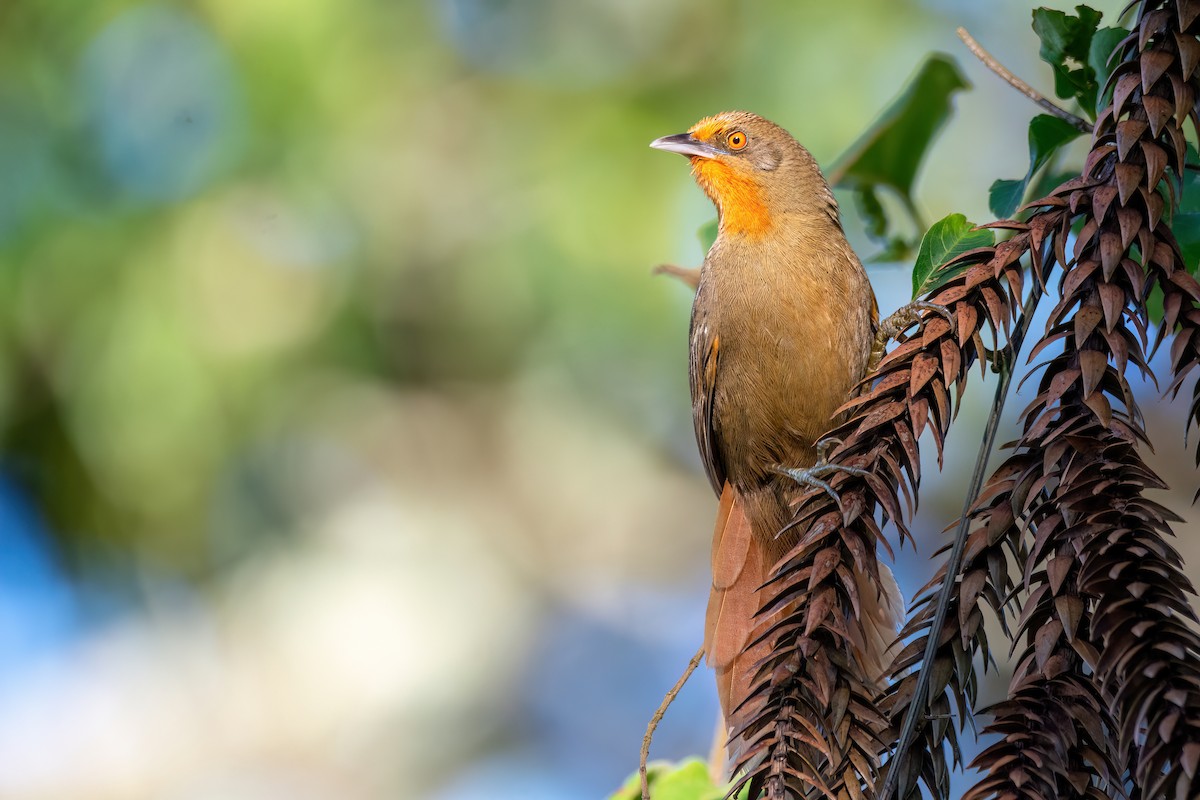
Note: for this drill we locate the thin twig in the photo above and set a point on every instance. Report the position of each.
(1018, 84)
(689, 275)
(914, 212)
(916, 706)
(657, 718)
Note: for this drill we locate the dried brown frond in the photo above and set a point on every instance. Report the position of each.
(1106, 594)
(1056, 730)
(1181, 317)
(814, 696)
(1108, 685)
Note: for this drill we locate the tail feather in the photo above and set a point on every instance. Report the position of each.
(741, 566)
(731, 540)
(881, 609)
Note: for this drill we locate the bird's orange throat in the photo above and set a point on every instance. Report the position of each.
(737, 195)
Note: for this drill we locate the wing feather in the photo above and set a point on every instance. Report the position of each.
(702, 370)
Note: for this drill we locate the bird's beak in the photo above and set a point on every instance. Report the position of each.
(685, 144)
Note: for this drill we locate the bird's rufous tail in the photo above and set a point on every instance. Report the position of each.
(741, 565)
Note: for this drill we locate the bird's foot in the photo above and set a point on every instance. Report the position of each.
(811, 476)
(897, 322)
(904, 316)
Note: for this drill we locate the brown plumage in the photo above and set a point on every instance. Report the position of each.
(782, 329)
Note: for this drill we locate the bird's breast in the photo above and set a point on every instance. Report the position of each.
(795, 339)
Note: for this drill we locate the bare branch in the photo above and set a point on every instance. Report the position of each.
(657, 718)
(1018, 84)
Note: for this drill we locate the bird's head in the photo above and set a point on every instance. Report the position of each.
(752, 170)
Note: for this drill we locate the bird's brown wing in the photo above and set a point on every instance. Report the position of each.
(702, 371)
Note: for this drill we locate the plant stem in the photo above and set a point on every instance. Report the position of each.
(657, 718)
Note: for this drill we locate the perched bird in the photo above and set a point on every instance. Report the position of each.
(783, 326)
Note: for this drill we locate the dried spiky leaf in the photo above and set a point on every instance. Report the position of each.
(1105, 590)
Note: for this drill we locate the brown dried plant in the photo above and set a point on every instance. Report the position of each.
(1105, 699)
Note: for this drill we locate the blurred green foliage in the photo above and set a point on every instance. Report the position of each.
(255, 253)
(687, 780)
(219, 217)
(1047, 136)
(890, 153)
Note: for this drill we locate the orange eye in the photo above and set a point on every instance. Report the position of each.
(736, 140)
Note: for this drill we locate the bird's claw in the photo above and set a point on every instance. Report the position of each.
(823, 446)
(897, 322)
(935, 308)
(811, 476)
(906, 315)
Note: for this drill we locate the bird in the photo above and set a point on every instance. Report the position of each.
(783, 328)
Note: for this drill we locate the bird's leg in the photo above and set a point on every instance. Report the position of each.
(897, 323)
(689, 275)
(811, 476)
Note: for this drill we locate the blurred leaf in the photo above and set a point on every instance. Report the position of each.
(1004, 197)
(1047, 134)
(895, 248)
(890, 152)
(949, 237)
(1051, 179)
(689, 780)
(1066, 47)
(1186, 227)
(1185, 221)
(708, 233)
(1185, 224)
(1154, 304)
(872, 212)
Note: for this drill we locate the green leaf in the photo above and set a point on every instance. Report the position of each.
(688, 780)
(1189, 199)
(874, 218)
(1154, 305)
(1005, 196)
(1066, 46)
(1185, 221)
(1103, 44)
(895, 248)
(946, 239)
(890, 152)
(1051, 179)
(708, 233)
(1047, 134)
(1186, 227)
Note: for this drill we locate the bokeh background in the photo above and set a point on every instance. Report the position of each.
(345, 449)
